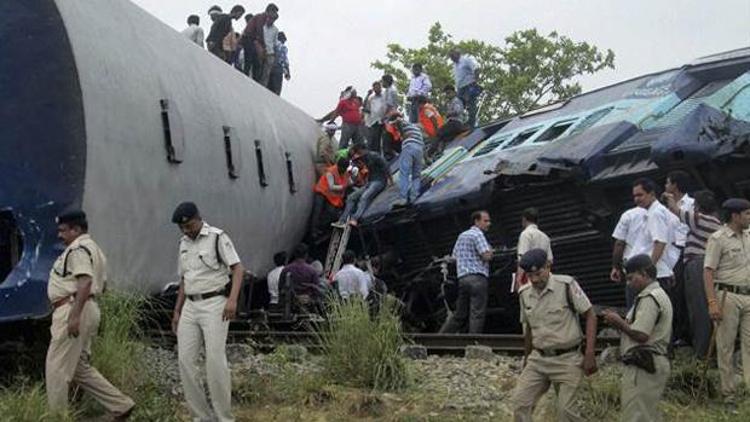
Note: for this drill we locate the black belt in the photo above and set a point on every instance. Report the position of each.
(557, 352)
(740, 290)
(202, 296)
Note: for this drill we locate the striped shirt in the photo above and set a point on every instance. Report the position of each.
(411, 134)
(701, 227)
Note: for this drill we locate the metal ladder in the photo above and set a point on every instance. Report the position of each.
(336, 248)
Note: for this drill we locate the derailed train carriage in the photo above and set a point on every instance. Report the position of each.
(107, 109)
(575, 161)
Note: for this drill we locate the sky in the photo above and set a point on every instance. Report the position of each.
(333, 42)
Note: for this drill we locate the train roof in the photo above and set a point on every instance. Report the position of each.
(675, 118)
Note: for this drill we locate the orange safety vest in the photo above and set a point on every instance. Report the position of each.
(395, 134)
(334, 198)
(426, 122)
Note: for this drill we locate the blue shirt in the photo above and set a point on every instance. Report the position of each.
(464, 71)
(468, 251)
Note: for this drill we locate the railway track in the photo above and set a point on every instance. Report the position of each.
(434, 343)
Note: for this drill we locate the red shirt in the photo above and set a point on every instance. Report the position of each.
(348, 109)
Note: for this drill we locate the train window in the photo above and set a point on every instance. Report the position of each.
(174, 139)
(490, 145)
(591, 120)
(521, 138)
(259, 158)
(554, 132)
(233, 161)
(290, 172)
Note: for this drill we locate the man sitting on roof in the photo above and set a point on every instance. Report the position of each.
(454, 125)
(378, 177)
(329, 195)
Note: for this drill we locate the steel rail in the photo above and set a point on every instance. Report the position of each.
(433, 342)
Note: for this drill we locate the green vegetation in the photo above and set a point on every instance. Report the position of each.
(26, 402)
(689, 395)
(529, 71)
(364, 351)
(118, 353)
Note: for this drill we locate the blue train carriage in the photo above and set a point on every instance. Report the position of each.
(108, 109)
(573, 160)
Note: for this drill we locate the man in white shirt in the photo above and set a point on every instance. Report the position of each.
(194, 32)
(626, 233)
(374, 109)
(530, 238)
(279, 259)
(351, 280)
(658, 235)
(270, 35)
(419, 86)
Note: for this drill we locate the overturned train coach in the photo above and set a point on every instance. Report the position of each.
(575, 161)
(107, 109)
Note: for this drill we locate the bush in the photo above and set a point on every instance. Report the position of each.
(118, 353)
(364, 351)
(690, 383)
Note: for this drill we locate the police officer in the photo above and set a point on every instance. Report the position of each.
(726, 272)
(550, 306)
(77, 277)
(646, 333)
(205, 305)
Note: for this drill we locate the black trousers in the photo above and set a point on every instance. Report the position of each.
(471, 305)
(374, 135)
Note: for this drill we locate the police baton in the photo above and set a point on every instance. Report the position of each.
(712, 343)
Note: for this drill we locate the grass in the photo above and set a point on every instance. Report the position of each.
(361, 350)
(689, 396)
(118, 353)
(26, 402)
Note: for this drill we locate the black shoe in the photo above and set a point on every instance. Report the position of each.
(124, 416)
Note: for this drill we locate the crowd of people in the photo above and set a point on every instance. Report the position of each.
(374, 132)
(260, 51)
(664, 242)
(687, 275)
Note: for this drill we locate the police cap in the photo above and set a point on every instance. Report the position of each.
(184, 212)
(533, 260)
(736, 205)
(74, 217)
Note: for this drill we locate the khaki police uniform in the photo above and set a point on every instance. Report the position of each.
(68, 357)
(201, 320)
(641, 391)
(556, 338)
(728, 254)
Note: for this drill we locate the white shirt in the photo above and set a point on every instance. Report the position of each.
(533, 238)
(202, 271)
(629, 228)
(377, 108)
(659, 227)
(392, 100)
(270, 33)
(686, 203)
(273, 284)
(419, 85)
(194, 33)
(352, 281)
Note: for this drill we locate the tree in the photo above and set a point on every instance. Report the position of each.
(530, 71)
